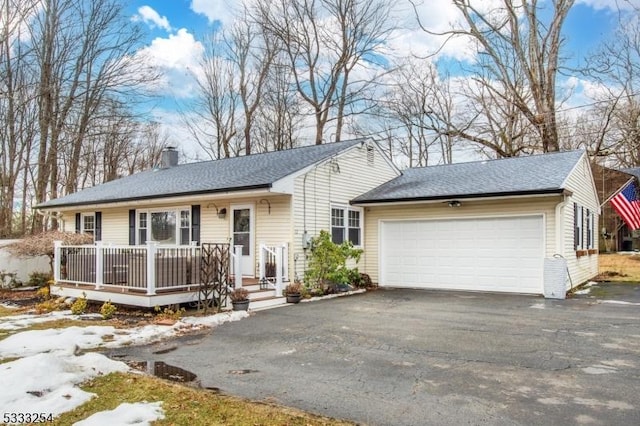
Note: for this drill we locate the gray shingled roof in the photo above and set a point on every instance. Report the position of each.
(537, 174)
(634, 171)
(230, 174)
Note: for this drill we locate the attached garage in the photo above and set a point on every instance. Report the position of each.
(502, 254)
(519, 225)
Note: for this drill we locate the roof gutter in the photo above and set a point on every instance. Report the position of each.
(467, 197)
(184, 196)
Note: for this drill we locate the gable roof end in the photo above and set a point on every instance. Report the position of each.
(532, 175)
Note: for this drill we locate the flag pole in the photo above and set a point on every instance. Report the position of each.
(618, 191)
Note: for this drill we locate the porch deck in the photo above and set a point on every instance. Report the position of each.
(153, 275)
(260, 298)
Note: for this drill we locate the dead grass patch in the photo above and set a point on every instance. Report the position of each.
(185, 406)
(619, 267)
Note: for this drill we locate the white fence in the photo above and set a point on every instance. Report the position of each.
(22, 267)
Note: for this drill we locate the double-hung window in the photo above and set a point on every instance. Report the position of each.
(165, 226)
(346, 225)
(89, 224)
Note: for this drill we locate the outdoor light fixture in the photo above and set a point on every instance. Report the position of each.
(222, 213)
(454, 203)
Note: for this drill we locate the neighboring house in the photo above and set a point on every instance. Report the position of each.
(257, 201)
(614, 234)
(513, 225)
(509, 225)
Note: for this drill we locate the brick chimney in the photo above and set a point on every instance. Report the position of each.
(169, 157)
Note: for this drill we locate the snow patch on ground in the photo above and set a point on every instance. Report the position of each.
(333, 296)
(49, 367)
(32, 342)
(620, 302)
(17, 322)
(139, 413)
(45, 383)
(538, 306)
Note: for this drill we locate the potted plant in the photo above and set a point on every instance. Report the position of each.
(292, 291)
(240, 299)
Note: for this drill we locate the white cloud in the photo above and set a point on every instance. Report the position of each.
(152, 18)
(610, 4)
(214, 10)
(177, 59)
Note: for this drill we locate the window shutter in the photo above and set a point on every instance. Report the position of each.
(78, 223)
(575, 226)
(132, 227)
(195, 224)
(97, 233)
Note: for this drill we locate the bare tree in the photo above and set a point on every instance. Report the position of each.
(17, 114)
(83, 54)
(518, 44)
(279, 119)
(612, 124)
(213, 121)
(324, 41)
(252, 53)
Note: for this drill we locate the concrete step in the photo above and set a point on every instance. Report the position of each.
(266, 302)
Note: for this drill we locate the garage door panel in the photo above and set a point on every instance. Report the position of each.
(490, 254)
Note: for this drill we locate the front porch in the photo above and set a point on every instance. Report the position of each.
(153, 275)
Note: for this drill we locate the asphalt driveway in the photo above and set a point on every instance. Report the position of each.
(403, 357)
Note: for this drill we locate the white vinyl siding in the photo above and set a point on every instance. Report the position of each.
(580, 183)
(334, 183)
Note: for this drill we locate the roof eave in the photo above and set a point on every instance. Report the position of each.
(468, 197)
(153, 197)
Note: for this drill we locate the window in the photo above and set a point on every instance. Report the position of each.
(346, 225)
(88, 224)
(142, 228)
(164, 226)
(591, 243)
(578, 220)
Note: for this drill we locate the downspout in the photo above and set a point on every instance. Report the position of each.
(559, 248)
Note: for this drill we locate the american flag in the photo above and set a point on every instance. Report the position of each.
(627, 205)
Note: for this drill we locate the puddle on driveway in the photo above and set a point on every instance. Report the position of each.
(163, 370)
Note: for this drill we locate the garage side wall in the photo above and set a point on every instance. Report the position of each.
(468, 210)
(582, 260)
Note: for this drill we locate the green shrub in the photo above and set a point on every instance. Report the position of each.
(79, 306)
(39, 279)
(328, 263)
(108, 310)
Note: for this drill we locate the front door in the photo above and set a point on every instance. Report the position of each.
(242, 233)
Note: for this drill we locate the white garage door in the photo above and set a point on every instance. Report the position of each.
(489, 254)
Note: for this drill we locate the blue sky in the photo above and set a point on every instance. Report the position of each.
(174, 29)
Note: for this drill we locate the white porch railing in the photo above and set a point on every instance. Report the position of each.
(147, 268)
(236, 266)
(274, 265)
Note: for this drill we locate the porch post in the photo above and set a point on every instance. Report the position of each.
(279, 251)
(99, 252)
(261, 266)
(237, 265)
(151, 267)
(285, 262)
(57, 250)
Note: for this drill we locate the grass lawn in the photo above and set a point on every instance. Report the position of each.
(183, 405)
(619, 267)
